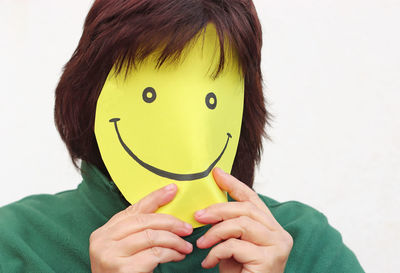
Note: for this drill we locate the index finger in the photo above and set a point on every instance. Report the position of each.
(155, 200)
(237, 189)
(148, 204)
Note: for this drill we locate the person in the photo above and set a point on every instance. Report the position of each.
(94, 228)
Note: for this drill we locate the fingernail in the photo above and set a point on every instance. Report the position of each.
(189, 246)
(188, 226)
(200, 213)
(201, 239)
(170, 187)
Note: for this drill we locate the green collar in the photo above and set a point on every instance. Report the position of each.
(100, 192)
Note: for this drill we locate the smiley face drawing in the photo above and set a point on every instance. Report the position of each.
(172, 124)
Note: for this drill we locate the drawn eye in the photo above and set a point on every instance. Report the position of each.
(149, 94)
(211, 100)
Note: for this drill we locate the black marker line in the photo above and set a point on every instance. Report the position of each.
(157, 171)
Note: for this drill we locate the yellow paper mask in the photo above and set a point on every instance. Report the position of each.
(172, 125)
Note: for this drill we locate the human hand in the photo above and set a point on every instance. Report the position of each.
(252, 239)
(137, 239)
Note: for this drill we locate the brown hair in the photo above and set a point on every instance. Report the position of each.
(119, 31)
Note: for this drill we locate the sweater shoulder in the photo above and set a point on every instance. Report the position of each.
(317, 246)
(288, 212)
(34, 205)
(39, 230)
(25, 217)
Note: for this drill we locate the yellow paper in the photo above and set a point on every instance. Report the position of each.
(172, 125)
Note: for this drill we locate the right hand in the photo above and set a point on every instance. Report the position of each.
(137, 239)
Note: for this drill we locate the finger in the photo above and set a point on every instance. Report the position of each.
(147, 260)
(149, 238)
(148, 204)
(140, 222)
(243, 228)
(237, 189)
(156, 199)
(224, 211)
(243, 252)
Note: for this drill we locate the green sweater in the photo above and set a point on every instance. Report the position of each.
(50, 233)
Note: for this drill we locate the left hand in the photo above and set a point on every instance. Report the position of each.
(253, 241)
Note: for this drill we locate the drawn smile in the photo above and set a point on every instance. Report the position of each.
(166, 174)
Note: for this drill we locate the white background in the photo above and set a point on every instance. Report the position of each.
(332, 80)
